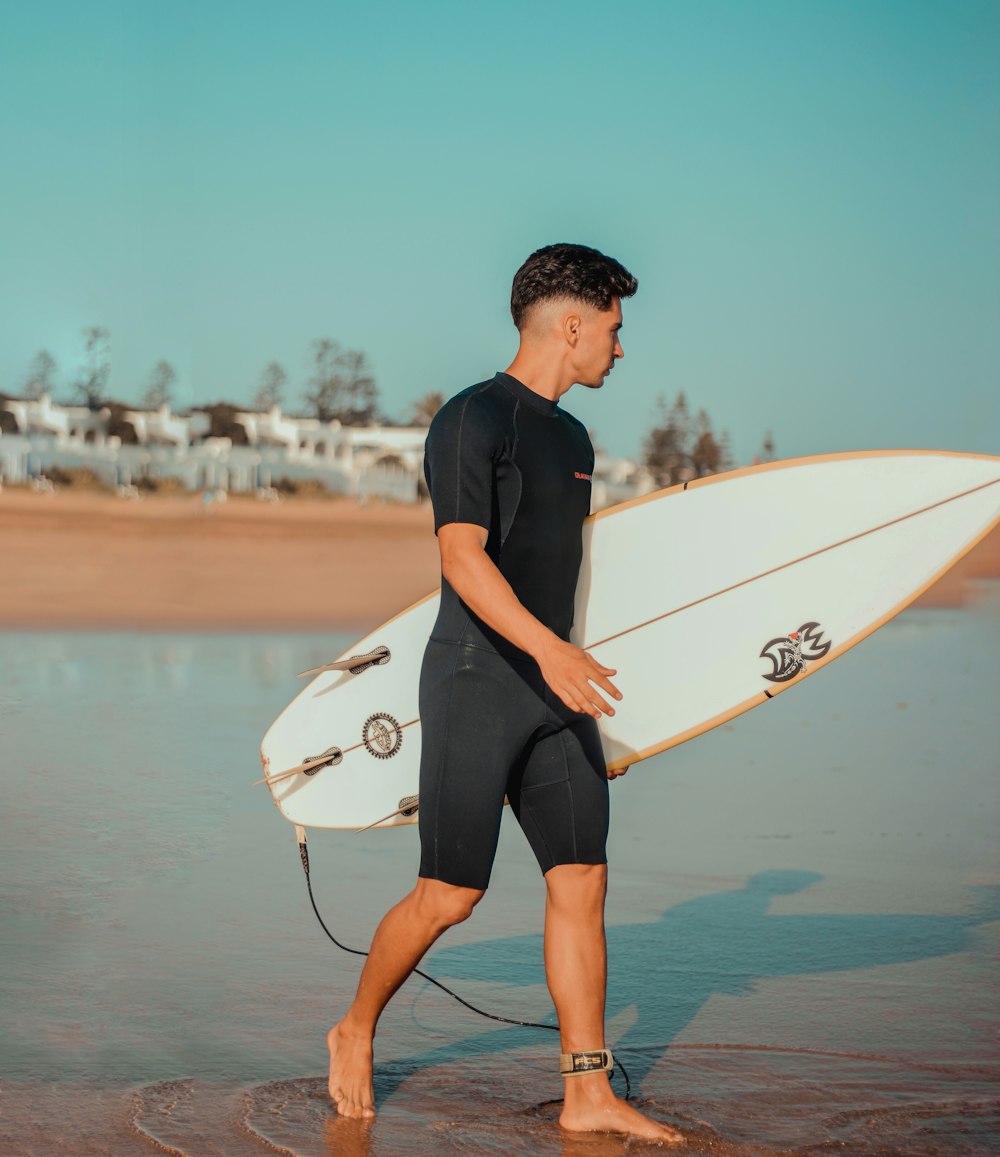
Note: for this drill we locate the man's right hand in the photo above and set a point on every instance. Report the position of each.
(571, 673)
(576, 676)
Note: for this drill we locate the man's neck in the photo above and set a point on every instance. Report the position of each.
(540, 374)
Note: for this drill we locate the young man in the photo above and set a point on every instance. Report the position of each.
(508, 705)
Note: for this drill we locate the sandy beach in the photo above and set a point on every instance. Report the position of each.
(95, 561)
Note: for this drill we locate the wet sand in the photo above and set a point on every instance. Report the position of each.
(804, 913)
(733, 1103)
(73, 561)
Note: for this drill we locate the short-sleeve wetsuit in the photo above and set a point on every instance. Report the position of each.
(502, 457)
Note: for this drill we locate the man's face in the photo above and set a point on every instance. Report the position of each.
(598, 347)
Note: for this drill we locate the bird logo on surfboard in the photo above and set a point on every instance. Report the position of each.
(789, 653)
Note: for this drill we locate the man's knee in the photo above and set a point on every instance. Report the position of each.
(442, 904)
(575, 886)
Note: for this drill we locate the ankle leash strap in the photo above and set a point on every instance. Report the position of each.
(595, 1061)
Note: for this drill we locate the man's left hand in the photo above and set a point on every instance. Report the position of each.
(616, 772)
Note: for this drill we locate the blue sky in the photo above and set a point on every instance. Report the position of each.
(808, 192)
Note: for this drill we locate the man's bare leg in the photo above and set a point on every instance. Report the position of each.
(576, 973)
(405, 934)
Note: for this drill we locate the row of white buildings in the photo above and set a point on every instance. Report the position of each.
(38, 436)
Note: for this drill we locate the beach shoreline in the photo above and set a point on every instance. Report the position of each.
(93, 561)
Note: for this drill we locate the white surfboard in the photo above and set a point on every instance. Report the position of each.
(708, 598)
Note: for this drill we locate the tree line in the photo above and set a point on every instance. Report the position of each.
(680, 445)
(340, 386)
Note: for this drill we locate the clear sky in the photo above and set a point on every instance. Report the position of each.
(807, 190)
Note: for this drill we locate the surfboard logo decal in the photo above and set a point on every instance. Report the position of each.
(382, 736)
(789, 653)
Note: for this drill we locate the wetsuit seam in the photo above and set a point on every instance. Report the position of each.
(527, 792)
(505, 534)
(569, 792)
(439, 771)
(539, 828)
(458, 450)
(463, 642)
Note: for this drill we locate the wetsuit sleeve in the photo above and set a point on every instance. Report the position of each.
(459, 455)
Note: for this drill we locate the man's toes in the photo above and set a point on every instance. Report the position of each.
(357, 1110)
(347, 1107)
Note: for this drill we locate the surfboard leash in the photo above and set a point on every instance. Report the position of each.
(304, 857)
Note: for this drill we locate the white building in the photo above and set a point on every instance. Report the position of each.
(37, 435)
(123, 447)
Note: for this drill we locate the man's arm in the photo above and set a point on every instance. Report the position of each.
(569, 671)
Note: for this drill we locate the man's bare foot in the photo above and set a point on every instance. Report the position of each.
(350, 1073)
(591, 1107)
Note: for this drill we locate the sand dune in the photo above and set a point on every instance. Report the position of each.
(93, 561)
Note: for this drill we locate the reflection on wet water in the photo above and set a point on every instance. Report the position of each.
(804, 914)
(729, 1102)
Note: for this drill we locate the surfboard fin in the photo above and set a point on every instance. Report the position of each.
(309, 766)
(407, 807)
(355, 664)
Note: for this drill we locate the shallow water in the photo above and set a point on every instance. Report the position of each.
(803, 919)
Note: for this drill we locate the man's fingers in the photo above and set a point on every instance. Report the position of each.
(600, 677)
(580, 685)
(601, 703)
(609, 687)
(587, 703)
(580, 707)
(595, 681)
(586, 698)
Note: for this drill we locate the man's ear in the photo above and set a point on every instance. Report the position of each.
(571, 324)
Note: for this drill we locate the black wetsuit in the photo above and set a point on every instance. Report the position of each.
(500, 456)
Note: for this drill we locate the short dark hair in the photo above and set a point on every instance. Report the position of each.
(569, 271)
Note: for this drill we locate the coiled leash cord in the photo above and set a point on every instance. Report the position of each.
(304, 857)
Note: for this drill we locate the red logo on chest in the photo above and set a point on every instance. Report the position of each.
(585, 477)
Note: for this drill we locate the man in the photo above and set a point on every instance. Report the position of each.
(508, 705)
